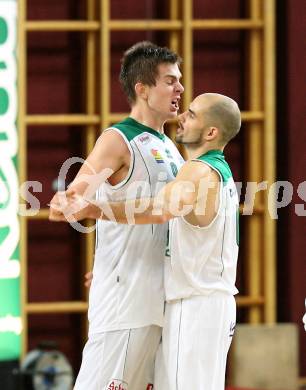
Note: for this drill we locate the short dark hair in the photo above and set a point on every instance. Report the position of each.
(140, 64)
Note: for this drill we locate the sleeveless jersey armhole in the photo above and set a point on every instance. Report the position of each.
(132, 161)
(197, 227)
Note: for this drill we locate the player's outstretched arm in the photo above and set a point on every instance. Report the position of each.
(195, 189)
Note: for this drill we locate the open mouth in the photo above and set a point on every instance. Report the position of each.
(175, 104)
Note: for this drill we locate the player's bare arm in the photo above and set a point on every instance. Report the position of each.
(207, 186)
(109, 160)
(193, 194)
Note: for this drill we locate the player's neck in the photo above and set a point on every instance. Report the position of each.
(195, 152)
(146, 118)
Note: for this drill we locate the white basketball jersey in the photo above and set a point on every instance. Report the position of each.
(127, 288)
(203, 260)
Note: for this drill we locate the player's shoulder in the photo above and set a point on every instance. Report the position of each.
(111, 136)
(195, 169)
(111, 142)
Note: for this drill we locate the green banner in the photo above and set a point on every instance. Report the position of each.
(10, 320)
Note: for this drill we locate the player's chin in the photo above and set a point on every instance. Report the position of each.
(173, 114)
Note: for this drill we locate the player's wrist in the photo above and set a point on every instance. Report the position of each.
(94, 211)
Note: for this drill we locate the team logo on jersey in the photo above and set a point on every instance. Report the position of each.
(158, 157)
(116, 384)
(144, 139)
(150, 386)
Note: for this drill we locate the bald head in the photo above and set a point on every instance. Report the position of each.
(222, 112)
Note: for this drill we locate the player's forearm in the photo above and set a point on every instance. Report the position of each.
(136, 211)
(169, 203)
(172, 201)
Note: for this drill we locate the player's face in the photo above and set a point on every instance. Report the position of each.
(164, 97)
(192, 124)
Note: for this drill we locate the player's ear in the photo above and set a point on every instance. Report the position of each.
(212, 133)
(141, 90)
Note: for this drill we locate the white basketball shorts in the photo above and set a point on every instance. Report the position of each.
(195, 341)
(119, 360)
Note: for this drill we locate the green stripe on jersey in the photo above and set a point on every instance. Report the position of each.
(215, 158)
(131, 129)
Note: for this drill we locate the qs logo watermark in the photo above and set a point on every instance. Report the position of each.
(138, 194)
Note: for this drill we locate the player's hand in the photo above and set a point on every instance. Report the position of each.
(57, 206)
(69, 206)
(88, 279)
